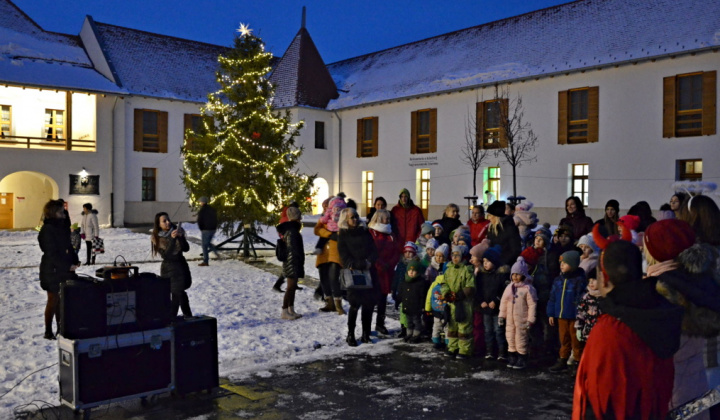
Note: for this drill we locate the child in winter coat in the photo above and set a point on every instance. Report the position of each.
(517, 312)
(442, 239)
(430, 247)
(588, 311)
(478, 225)
(329, 219)
(493, 277)
(409, 254)
(458, 291)
(426, 233)
(589, 256)
(567, 289)
(476, 261)
(412, 293)
(434, 305)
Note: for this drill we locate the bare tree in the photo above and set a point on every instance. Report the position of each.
(472, 153)
(517, 139)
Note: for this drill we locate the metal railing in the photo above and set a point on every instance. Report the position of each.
(27, 142)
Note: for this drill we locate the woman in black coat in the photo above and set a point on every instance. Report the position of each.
(357, 251)
(503, 231)
(294, 264)
(169, 241)
(58, 262)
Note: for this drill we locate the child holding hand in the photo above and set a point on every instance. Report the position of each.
(517, 311)
(412, 294)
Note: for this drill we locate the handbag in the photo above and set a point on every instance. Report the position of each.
(355, 279)
(98, 245)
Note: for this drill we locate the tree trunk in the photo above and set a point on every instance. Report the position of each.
(474, 181)
(514, 185)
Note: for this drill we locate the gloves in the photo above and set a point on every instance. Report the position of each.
(579, 335)
(82, 236)
(501, 322)
(449, 297)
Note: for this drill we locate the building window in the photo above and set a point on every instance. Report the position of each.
(54, 124)
(369, 190)
(194, 122)
(5, 120)
(150, 131)
(689, 170)
(319, 135)
(423, 131)
(488, 123)
(424, 191)
(149, 181)
(367, 137)
(493, 184)
(689, 104)
(580, 174)
(578, 115)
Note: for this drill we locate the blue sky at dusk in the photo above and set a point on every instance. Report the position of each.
(340, 29)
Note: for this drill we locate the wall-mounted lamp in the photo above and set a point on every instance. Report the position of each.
(84, 178)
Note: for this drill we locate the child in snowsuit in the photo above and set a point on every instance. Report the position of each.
(458, 291)
(476, 262)
(493, 277)
(426, 232)
(329, 219)
(589, 256)
(430, 247)
(412, 294)
(517, 312)
(409, 254)
(434, 307)
(588, 311)
(567, 289)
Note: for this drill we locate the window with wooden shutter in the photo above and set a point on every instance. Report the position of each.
(367, 137)
(193, 122)
(689, 104)
(424, 131)
(150, 131)
(491, 127)
(578, 111)
(5, 120)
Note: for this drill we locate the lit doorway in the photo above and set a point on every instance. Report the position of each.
(28, 192)
(320, 192)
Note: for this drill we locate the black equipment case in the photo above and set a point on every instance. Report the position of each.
(195, 354)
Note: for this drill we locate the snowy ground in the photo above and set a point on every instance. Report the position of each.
(252, 338)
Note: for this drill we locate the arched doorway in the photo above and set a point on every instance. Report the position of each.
(25, 194)
(320, 192)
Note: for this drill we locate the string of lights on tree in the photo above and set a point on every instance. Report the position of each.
(244, 155)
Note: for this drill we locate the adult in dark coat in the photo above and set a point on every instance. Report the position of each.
(575, 217)
(207, 223)
(608, 224)
(642, 210)
(408, 217)
(294, 264)
(450, 221)
(58, 261)
(357, 251)
(503, 231)
(169, 241)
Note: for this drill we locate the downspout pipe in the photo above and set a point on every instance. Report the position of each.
(339, 150)
(112, 167)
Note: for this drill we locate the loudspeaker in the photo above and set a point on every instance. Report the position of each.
(82, 309)
(195, 354)
(100, 370)
(153, 306)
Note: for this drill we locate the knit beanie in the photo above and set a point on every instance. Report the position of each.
(667, 238)
(564, 230)
(614, 204)
(571, 258)
(497, 209)
(414, 264)
(588, 240)
(479, 250)
(462, 249)
(409, 246)
(545, 234)
(629, 221)
(520, 267)
(432, 243)
(444, 249)
(426, 228)
(293, 213)
(437, 224)
(493, 255)
(203, 199)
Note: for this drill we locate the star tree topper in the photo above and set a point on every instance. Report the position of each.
(244, 29)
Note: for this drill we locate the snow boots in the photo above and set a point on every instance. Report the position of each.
(338, 306)
(293, 313)
(520, 362)
(351, 339)
(289, 314)
(512, 359)
(559, 366)
(329, 305)
(48, 333)
(380, 320)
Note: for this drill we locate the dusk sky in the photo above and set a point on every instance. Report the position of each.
(340, 29)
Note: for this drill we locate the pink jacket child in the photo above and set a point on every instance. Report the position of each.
(517, 311)
(330, 219)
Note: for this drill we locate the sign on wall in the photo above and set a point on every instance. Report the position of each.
(423, 161)
(85, 185)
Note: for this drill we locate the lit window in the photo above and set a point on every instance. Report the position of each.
(425, 191)
(54, 124)
(369, 181)
(5, 120)
(580, 182)
(493, 183)
(689, 170)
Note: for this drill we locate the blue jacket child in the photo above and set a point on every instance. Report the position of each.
(567, 290)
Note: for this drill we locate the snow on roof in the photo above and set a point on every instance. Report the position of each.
(34, 57)
(160, 66)
(563, 38)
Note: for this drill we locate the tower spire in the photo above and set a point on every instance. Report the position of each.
(302, 24)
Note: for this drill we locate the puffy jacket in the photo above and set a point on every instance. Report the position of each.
(58, 254)
(174, 266)
(478, 231)
(581, 224)
(449, 224)
(412, 293)
(89, 225)
(388, 256)
(519, 303)
(294, 264)
(565, 295)
(490, 286)
(409, 220)
(509, 240)
(207, 218)
(330, 251)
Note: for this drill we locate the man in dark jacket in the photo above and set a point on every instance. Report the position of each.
(207, 223)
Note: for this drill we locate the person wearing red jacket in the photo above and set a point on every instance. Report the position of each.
(627, 368)
(478, 225)
(409, 218)
(388, 256)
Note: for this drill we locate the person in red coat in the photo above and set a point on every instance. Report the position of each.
(380, 229)
(627, 368)
(409, 219)
(478, 225)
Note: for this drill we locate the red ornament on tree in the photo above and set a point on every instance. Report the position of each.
(255, 135)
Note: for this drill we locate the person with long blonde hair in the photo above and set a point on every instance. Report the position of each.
(502, 231)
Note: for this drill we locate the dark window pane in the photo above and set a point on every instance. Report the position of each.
(423, 123)
(578, 105)
(690, 92)
(196, 124)
(319, 135)
(150, 122)
(492, 114)
(367, 129)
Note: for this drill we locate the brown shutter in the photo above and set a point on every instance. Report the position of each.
(375, 136)
(187, 125)
(433, 130)
(593, 114)
(68, 119)
(163, 131)
(479, 123)
(709, 107)
(563, 117)
(669, 106)
(413, 132)
(359, 137)
(138, 131)
(504, 119)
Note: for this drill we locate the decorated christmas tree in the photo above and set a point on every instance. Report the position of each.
(242, 153)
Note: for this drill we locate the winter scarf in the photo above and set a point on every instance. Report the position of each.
(663, 267)
(382, 228)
